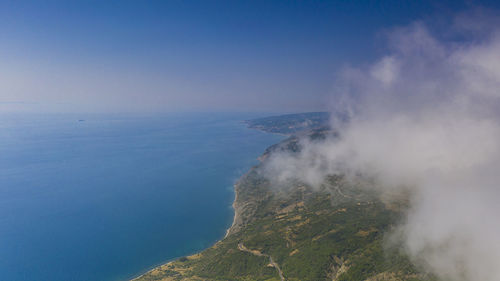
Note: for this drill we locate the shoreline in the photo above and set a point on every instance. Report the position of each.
(236, 215)
(228, 230)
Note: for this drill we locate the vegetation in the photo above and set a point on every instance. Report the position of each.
(311, 235)
(336, 232)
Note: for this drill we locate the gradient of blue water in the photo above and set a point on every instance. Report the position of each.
(111, 196)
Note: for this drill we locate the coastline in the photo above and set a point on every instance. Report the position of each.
(236, 209)
(228, 231)
(236, 216)
(260, 159)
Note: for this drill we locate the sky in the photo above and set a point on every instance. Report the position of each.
(162, 56)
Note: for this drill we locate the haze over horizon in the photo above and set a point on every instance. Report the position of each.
(129, 56)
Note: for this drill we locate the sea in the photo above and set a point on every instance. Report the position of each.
(109, 196)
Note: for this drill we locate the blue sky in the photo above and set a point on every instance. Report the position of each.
(150, 56)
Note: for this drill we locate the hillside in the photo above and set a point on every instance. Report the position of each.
(335, 232)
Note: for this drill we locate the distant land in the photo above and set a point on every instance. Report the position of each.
(290, 123)
(300, 233)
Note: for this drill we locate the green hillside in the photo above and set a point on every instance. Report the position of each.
(336, 232)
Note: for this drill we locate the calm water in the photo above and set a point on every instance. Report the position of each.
(111, 196)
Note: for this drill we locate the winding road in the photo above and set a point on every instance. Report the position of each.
(242, 247)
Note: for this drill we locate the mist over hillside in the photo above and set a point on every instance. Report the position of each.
(423, 119)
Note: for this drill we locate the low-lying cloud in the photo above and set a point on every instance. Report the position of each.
(426, 117)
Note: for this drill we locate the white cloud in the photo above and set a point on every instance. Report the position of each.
(425, 116)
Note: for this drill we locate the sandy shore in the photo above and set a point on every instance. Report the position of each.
(236, 214)
(228, 231)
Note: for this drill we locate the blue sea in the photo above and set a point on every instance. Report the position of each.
(107, 197)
